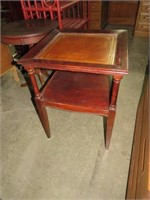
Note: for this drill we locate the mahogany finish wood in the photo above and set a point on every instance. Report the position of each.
(82, 61)
(77, 92)
(26, 32)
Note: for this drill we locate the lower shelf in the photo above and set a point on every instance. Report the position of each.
(81, 92)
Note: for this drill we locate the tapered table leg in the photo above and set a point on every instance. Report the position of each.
(41, 109)
(42, 113)
(109, 127)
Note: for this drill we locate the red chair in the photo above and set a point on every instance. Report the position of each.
(35, 9)
(70, 14)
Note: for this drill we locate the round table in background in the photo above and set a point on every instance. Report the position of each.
(27, 32)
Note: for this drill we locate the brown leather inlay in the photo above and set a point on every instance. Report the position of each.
(82, 48)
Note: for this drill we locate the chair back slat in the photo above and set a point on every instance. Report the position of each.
(36, 9)
(68, 13)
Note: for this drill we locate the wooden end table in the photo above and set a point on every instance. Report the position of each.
(82, 62)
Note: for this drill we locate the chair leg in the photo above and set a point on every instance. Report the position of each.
(109, 127)
(42, 113)
(15, 73)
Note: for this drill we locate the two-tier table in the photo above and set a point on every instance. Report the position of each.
(83, 63)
